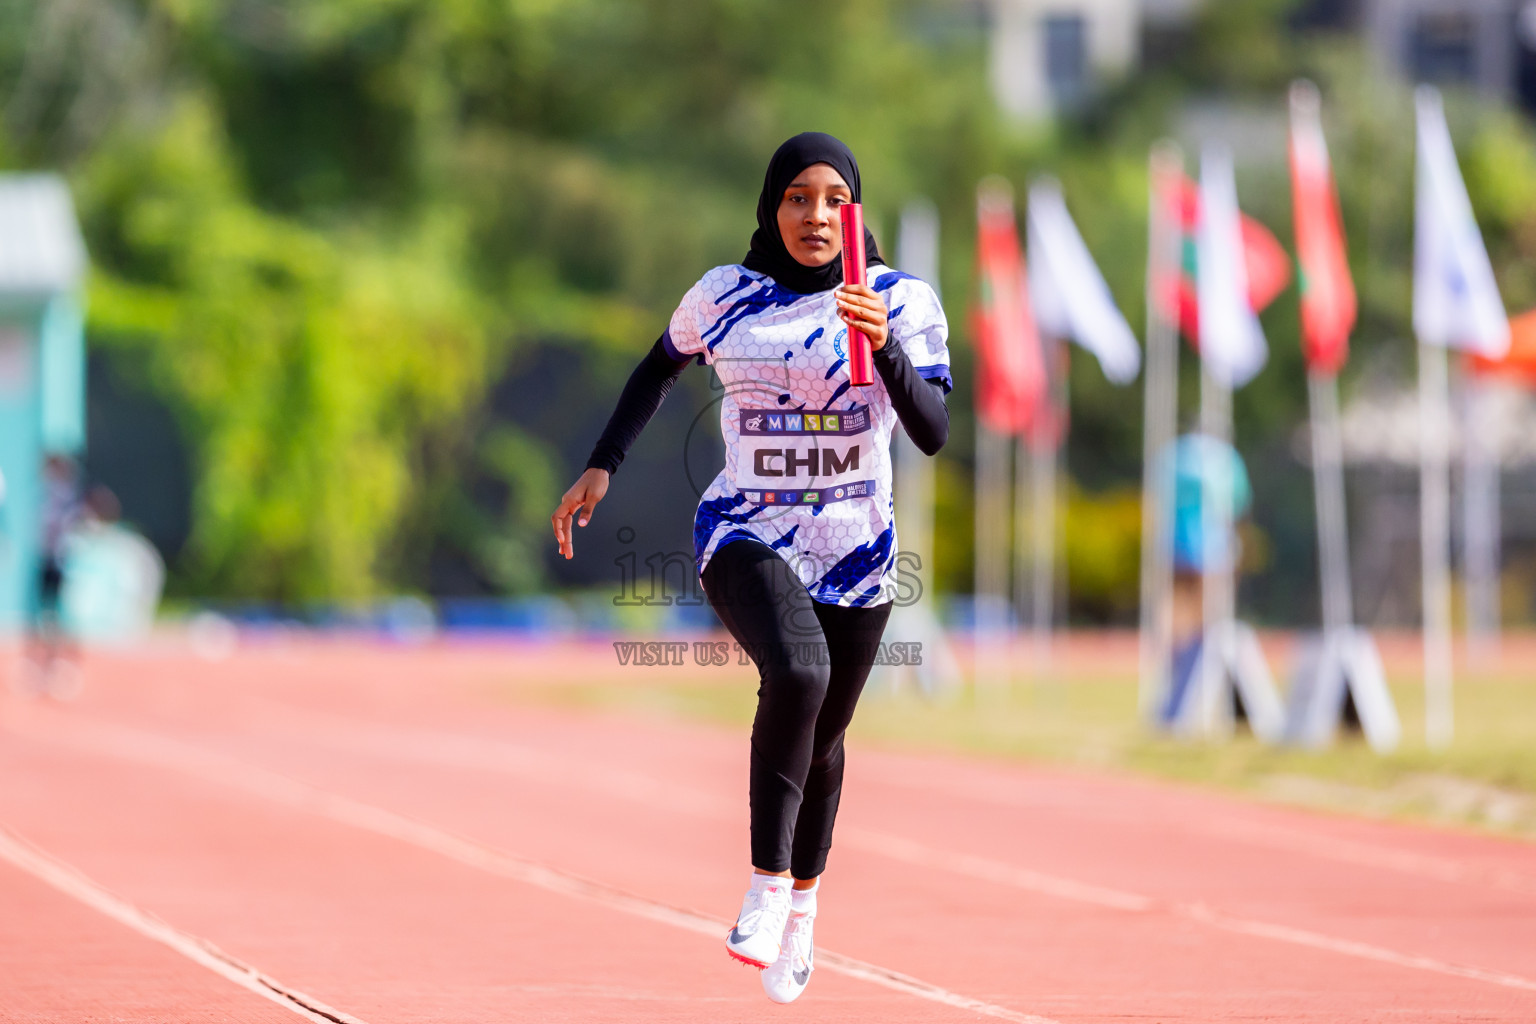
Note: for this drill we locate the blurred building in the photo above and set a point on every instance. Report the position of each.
(1049, 56)
(42, 367)
(1489, 45)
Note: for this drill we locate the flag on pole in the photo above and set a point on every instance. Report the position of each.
(1068, 293)
(1010, 369)
(1327, 292)
(1232, 344)
(1456, 301)
(1519, 363)
(1264, 259)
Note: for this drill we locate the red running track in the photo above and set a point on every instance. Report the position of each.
(338, 831)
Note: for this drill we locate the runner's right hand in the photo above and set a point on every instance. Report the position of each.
(584, 494)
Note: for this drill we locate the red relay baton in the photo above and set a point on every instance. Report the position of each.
(861, 358)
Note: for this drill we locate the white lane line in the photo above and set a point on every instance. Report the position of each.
(986, 789)
(1363, 950)
(487, 754)
(1371, 855)
(72, 882)
(513, 759)
(987, 870)
(133, 744)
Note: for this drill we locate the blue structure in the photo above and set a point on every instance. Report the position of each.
(42, 368)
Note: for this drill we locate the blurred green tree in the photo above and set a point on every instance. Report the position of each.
(340, 235)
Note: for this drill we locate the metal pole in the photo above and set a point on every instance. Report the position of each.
(1042, 469)
(919, 250)
(1480, 517)
(1218, 600)
(1160, 424)
(1435, 541)
(1328, 488)
(991, 554)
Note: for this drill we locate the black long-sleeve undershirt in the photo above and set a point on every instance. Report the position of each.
(919, 403)
(641, 397)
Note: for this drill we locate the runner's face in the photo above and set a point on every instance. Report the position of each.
(808, 217)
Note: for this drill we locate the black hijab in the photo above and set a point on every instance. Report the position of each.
(768, 254)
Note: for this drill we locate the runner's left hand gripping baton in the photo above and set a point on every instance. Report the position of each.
(861, 357)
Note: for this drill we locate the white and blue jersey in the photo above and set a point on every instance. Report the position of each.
(807, 455)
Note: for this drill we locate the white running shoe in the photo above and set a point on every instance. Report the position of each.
(759, 928)
(787, 978)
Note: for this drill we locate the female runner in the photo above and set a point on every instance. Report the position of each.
(796, 537)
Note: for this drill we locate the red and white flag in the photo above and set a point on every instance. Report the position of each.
(1265, 262)
(1010, 371)
(1327, 292)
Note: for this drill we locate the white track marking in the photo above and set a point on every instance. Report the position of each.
(1021, 878)
(514, 759)
(133, 744)
(1365, 951)
(988, 790)
(521, 760)
(1373, 856)
(987, 870)
(146, 746)
(72, 882)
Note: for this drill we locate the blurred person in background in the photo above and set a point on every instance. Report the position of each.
(49, 663)
(1201, 465)
(113, 575)
(803, 568)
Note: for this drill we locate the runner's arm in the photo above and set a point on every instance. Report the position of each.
(919, 402)
(641, 397)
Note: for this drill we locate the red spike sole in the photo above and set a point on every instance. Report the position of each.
(744, 960)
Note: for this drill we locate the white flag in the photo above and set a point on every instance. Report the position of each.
(1232, 343)
(1455, 298)
(1069, 295)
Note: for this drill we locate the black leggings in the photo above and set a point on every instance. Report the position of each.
(813, 659)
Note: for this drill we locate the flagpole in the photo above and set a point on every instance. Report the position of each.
(1160, 414)
(1435, 541)
(937, 671)
(991, 559)
(1456, 303)
(1007, 336)
(1232, 350)
(1042, 449)
(1218, 600)
(1480, 517)
(1024, 498)
(1328, 494)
